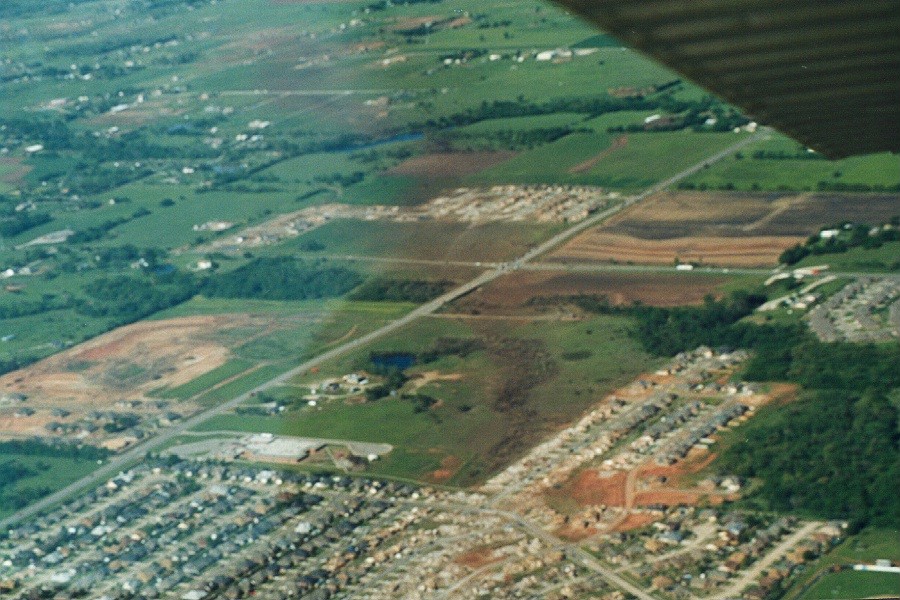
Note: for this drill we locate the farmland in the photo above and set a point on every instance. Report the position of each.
(719, 228)
(222, 113)
(535, 292)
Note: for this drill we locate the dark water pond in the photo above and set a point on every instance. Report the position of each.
(394, 360)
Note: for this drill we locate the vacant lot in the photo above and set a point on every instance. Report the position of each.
(531, 292)
(734, 229)
(124, 364)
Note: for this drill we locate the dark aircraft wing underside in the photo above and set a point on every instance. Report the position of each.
(825, 72)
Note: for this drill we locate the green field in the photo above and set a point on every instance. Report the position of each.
(865, 547)
(748, 173)
(51, 473)
(854, 584)
(424, 240)
(885, 258)
(646, 158)
(227, 371)
(534, 377)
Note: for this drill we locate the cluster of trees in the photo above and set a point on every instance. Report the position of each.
(385, 4)
(283, 278)
(516, 139)
(19, 222)
(858, 236)
(128, 298)
(57, 450)
(400, 290)
(840, 186)
(800, 154)
(834, 453)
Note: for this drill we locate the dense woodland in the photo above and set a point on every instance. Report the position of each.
(400, 290)
(283, 279)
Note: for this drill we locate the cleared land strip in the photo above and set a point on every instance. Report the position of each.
(117, 463)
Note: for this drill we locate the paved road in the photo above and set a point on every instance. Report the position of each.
(134, 454)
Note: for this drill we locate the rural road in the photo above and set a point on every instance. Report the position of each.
(134, 454)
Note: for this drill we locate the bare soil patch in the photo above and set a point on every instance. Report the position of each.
(450, 164)
(124, 365)
(726, 251)
(450, 465)
(592, 488)
(477, 557)
(17, 170)
(719, 228)
(635, 520)
(530, 292)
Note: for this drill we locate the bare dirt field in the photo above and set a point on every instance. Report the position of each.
(450, 164)
(592, 487)
(717, 228)
(528, 292)
(635, 520)
(118, 370)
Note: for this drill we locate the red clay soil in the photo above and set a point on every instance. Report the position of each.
(449, 467)
(575, 532)
(618, 143)
(590, 489)
(667, 497)
(633, 521)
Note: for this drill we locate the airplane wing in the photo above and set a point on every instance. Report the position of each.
(825, 72)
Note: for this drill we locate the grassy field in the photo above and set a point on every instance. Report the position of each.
(51, 474)
(424, 240)
(865, 547)
(645, 159)
(885, 258)
(854, 584)
(749, 173)
(535, 377)
(227, 371)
